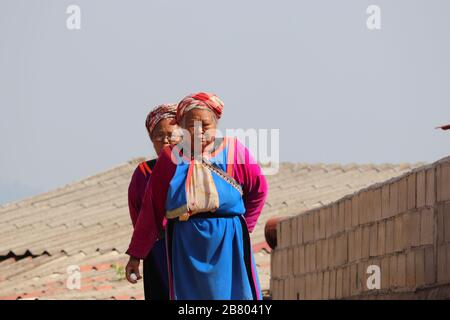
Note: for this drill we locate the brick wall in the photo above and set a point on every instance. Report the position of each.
(401, 225)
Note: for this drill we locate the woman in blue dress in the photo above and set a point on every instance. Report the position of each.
(212, 200)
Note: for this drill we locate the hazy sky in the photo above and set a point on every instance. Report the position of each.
(73, 102)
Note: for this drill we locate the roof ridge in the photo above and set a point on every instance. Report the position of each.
(135, 160)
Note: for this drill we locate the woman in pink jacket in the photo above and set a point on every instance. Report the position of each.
(211, 191)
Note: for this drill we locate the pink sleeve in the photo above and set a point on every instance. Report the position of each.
(248, 173)
(137, 183)
(153, 210)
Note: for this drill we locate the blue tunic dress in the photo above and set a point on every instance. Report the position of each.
(209, 255)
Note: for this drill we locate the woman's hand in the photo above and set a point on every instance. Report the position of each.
(133, 268)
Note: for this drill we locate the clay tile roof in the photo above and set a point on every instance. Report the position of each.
(86, 223)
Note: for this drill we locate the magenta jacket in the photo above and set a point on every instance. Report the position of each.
(151, 218)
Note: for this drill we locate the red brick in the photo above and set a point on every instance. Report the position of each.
(346, 282)
(344, 243)
(308, 227)
(341, 216)
(355, 211)
(341, 249)
(283, 237)
(276, 256)
(307, 257)
(318, 245)
(440, 221)
(381, 236)
(430, 266)
(288, 284)
(272, 287)
(339, 282)
(310, 280)
(300, 229)
(402, 195)
(292, 288)
(280, 290)
(296, 261)
(312, 257)
(447, 262)
(401, 270)
(373, 238)
(281, 263)
(326, 285)
(334, 219)
(374, 262)
(377, 201)
(279, 236)
(301, 288)
(393, 276)
(410, 270)
(351, 246)
(290, 254)
(443, 182)
(358, 243)
(365, 245)
(301, 258)
(332, 291)
(316, 225)
(442, 274)
(398, 233)
(426, 226)
(308, 286)
(411, 181)
(420, 189)
(362, 276)
(328, 222)
(318, 283)
(389, 236)
(286, 288)
(420, 267)
(411, 227)
(385, 212)
(294, 231)
(272, 263)
(275, 289)
(322, 223)
(348, 214)
(393, 199)
(286, 232)
(385, 273)
(369, 214)
(354, 279)
(324, 252)
(284, 262)
(331, 252)
(362, 206)
(292, 293)
(446, 215)
(430, 187)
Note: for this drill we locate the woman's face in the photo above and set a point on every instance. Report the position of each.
(165, 133)
(201, 125)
